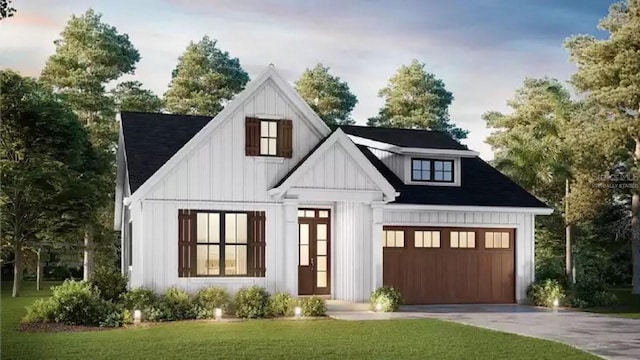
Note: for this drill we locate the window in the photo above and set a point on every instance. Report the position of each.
(268, 137)
(462, 239)
(426, 239)
(221, 243)
(496, 240)
(393, 238)
(432, 170)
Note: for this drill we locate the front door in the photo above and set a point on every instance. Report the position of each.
(314, 244)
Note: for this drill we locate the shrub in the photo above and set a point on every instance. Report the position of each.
(282, 304)
(252, 302)
(604, 299)
(176, 305)
(313, 306)
(127, 316)
(77, 303)
(139, 299)
(207, 300)
(544, 293)
(112, 315)
(41, 311)
(389, 299)
(111, 283)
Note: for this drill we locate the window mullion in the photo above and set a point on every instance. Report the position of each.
(223, 224)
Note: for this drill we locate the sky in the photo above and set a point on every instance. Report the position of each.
(481, 49)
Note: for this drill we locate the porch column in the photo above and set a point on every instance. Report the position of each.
(377, 219)
(291, 246)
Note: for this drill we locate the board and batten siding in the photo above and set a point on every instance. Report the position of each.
(524, 225)
(395, 162)
(219, 170)
(352, 252)
(159, 255)
(336, 170)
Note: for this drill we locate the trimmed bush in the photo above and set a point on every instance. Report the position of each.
(388, 298)
(176, 304)
(313, 306)
(139, 299)
(252, 302)
(41, 311)
(544, 293)
(282, 304)
(77, 303)
(112, 315)
(111, 283)
(207, 300)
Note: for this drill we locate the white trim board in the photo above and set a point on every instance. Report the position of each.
(410, 151)
(502, 209)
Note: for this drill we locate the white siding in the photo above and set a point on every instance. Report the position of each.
(352, 252)
(523, 223)
(336, 170)
(395, 162)
(160, 254)
(218, 169)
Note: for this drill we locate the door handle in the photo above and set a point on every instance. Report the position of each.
(312, 264)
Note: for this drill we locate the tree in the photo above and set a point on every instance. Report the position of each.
(204, 80)
(88, 56)
(48, 167)
(530, 146)
(416, 99)
(327, 95)
(608, 74)
(6, 10)
(130, 96)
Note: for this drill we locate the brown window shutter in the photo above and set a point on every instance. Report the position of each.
(252, 136)
(285, 138)
(186, 243)
(257, 244)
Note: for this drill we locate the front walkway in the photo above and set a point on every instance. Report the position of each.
(609, 337)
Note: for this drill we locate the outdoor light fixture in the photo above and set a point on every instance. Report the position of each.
(378, 307)
(297, 311)
(137, 316)
(218, 313)
(556, 302)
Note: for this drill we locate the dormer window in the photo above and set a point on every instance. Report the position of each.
(432, 170)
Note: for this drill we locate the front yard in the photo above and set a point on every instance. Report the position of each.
(268, 339)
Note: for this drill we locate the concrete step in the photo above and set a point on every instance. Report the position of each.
(340, 305)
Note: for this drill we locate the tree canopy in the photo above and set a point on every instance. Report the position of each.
(49, 167)
(131, 96)
(204, 80)
(6, 10)
(416, 99)
(327, 95)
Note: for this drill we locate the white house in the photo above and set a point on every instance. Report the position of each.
(266, 194)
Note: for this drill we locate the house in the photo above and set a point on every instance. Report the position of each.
(266, 194)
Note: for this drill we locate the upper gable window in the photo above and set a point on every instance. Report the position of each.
(432, 170)
(268, 137)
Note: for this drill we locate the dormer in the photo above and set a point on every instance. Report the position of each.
(417, 157)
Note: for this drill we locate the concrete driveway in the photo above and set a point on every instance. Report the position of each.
(605, 336)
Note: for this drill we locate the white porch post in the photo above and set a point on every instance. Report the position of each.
(291, 246)
(377, 219)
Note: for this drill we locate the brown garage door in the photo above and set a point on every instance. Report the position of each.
(450, 265)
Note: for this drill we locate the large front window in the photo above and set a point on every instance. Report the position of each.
(222, 244)
(431, 170)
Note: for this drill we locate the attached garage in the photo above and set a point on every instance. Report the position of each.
(449, 265)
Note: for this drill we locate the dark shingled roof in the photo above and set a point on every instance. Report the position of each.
(405, 137)
(481, 185)
(151, 139)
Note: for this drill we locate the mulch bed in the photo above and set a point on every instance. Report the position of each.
(55, 327)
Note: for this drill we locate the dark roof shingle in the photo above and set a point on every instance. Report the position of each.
(151, 139)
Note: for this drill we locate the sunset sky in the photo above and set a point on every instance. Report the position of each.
(482, 49)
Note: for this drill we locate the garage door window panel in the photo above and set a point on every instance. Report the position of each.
(393, 238)
(497, 240)
(426, 239)
(462, 239)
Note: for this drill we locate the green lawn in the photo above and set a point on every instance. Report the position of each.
(269, 339)
(628, 307)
